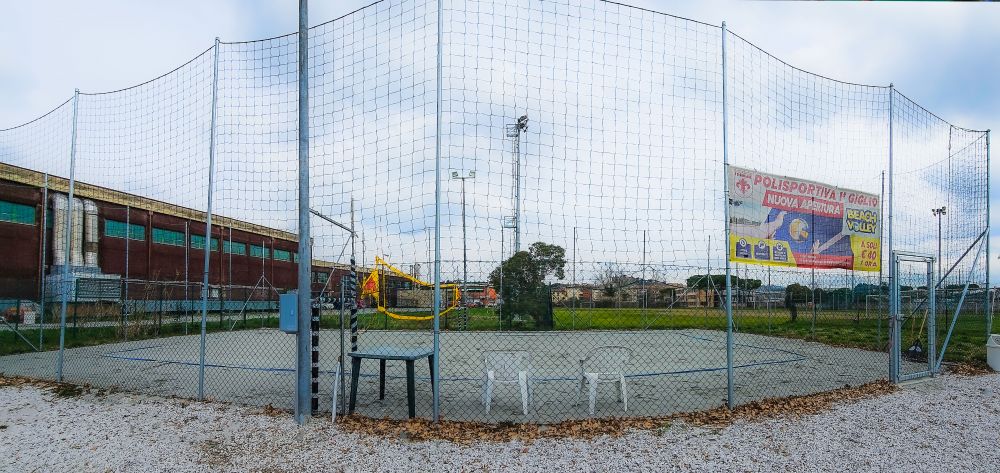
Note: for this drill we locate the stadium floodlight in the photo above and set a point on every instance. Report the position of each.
(514, 131)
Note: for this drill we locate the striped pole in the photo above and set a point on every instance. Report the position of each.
(314, 323)
(352, 288)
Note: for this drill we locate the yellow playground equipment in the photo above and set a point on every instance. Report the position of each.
(372, 284)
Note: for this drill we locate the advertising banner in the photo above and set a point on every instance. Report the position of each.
(784, 221)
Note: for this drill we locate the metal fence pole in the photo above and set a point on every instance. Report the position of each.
(41, 265)
(207, 245)
(893, 303)
(187, 263)
(128, 235)
(730, 401)
(435, 374)
(65, 286)
(576, 298)
(989, 302)
(354, 284)
(341, 360)
(302, 336)
(644, 298)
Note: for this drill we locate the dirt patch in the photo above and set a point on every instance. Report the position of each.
(214, 453)
(469, 432)
(795, 406)
(970, 369)
(59, 389)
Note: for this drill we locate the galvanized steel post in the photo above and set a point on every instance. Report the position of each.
(435, 371)
(302, 336)
(730, 402)
(207, 242)
(64, 287)
(893, 303)
(41, 265)
(989, 301)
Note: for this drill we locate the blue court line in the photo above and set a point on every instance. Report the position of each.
(780, 350)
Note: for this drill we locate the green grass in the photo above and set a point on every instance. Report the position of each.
(833, 327)
(141, 328)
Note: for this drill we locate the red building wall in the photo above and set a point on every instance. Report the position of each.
(20, 261)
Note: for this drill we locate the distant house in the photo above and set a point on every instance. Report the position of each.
(696, 298)
(477, 294)
(562, 293)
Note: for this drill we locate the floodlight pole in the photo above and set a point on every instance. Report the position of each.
(457, 175)
(514, 131)
(730, 401)
(499, 302)
(303, 335)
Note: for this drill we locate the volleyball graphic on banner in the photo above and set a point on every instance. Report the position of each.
(784, 221)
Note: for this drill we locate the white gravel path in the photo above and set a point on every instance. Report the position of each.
(946, 424)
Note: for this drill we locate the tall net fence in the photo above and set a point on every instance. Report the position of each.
(570, 196)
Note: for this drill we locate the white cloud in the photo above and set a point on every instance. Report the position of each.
(109, 45)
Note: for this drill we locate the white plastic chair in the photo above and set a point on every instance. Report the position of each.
(604, 365)
(507, 367)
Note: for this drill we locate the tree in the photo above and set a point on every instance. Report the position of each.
(523, 286)
(611, 280)
(798, 292)
(701, 281)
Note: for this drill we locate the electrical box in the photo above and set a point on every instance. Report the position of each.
(288, 312)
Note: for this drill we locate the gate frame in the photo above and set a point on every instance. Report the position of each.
(896, 318)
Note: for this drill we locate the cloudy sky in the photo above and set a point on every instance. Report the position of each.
(941, 55)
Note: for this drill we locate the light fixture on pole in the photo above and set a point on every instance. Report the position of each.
(514, 131)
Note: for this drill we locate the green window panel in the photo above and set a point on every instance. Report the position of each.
(117, 229)
(234, 248)
(198, 242)
(282, 255)
(320, 278)
(17, 213)
(137, 232)
(260, 251)
(168, 237)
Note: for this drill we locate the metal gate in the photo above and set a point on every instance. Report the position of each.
(912, 314)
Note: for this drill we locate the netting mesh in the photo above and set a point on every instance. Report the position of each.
(583, 200)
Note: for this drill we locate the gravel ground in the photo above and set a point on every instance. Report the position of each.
(949, 423)
(670, 371)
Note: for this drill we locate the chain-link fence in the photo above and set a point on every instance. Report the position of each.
(559, 168)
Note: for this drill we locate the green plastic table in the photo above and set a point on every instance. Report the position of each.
(409, 355)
